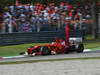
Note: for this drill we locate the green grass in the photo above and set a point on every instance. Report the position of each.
(92, 44)
(14, 50)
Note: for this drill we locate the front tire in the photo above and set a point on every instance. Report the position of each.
(45, 50)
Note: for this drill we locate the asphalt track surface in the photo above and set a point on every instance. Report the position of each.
(59, 56)
(67, 67)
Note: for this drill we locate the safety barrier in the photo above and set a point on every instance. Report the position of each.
(34, 37)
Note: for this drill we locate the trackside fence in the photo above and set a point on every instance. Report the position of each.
(34, 37)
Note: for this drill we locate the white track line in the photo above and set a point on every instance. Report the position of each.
(9, 57)
(87, 50)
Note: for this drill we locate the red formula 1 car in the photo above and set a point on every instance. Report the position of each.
(48, 49)
(59, 46)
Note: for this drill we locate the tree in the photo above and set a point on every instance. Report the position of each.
(95, 19)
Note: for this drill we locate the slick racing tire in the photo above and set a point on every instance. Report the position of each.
(45, 50)
(67, 50)
(80, 48)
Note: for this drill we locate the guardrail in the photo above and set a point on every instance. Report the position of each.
(21, 38)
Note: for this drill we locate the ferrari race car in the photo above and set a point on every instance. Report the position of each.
(59, 46)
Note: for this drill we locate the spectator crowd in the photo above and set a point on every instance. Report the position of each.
(42, 17)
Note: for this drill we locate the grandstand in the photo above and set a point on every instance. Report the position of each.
(22, 21)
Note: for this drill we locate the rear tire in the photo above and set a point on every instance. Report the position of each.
(67, 50)
(80, 48)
